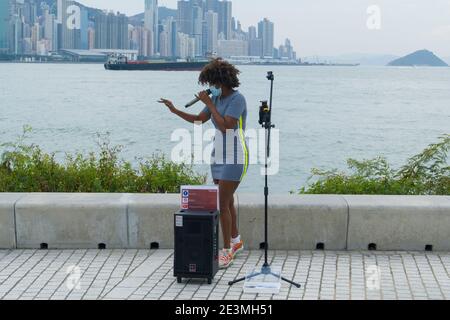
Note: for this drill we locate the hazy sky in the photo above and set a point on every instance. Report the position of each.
(330, 27)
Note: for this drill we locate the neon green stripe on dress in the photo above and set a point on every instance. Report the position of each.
(244, 146)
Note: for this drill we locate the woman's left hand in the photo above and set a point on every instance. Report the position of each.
(205, 98)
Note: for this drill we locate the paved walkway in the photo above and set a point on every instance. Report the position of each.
(147, 274)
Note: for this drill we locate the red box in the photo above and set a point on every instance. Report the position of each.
(200, 198)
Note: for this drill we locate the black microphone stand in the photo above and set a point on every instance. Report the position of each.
(265, 115)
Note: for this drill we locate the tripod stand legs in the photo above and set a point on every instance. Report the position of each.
(230, 283)
(264, 270)
(291, 282)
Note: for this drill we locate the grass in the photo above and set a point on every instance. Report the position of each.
(427, 173)
(26, 168)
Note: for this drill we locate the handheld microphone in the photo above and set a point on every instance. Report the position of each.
(190, 104)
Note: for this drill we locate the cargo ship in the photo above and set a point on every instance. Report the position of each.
(122, 63)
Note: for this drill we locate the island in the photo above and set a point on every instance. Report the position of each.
(422, 58)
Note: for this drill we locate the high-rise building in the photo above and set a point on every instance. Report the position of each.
(4, 24)
(74, 25)
(266, 34)
(122, 33)
(91, 38)
(101, 31)
(276, 54)
(167, 39)
(286, 51)
(111, 31)
(43, 47)
(225, 17)
(212, 5)
(197, 29)
(185, 17)
(240, 34)
(142, 41)
(255, 48)
(50, 28)
(174, 37)
(35, 36)
(230, 48)
(185, 46)
(212, 30)
(82, 35)
(132, 34)
(17, 27)
(252, 33)
(16, 39)
(29, 11)
(254, 44)
(151, 22)
(117, 31)
(165, 46)
(204, 37)
(69, 22)
(190, 21)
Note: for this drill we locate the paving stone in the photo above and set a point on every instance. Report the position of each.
(148, 274)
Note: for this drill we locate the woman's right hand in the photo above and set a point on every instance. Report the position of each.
(168, 104)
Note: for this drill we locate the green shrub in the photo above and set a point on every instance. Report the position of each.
(26, 168)
(427, 173)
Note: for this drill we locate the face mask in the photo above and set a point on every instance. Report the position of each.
(216, 92)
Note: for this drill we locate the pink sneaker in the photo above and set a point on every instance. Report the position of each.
(237, 248)
(225, 259)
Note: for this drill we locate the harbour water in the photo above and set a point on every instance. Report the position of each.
(325, 114)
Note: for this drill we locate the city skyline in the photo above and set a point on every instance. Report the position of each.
(325, 27)
(196, 29)
(227, 34)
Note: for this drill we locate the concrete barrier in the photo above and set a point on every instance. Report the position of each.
(398, 222)
(295, 222)
(150, 220)
(72, 220)
(7, 219)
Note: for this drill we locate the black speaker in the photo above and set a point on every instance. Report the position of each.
(196, 245)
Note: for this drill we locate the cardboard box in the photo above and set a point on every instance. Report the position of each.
(200, 198)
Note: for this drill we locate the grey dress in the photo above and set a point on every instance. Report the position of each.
(230, 156)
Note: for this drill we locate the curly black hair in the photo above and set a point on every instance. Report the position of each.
(220, 72)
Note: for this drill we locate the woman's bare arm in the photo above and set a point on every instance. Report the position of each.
(224, 123)
(192, 118)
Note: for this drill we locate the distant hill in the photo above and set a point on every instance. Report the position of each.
(135, 20)
(447, 60)
(53, 8)
(364, 59)
(419, 58)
